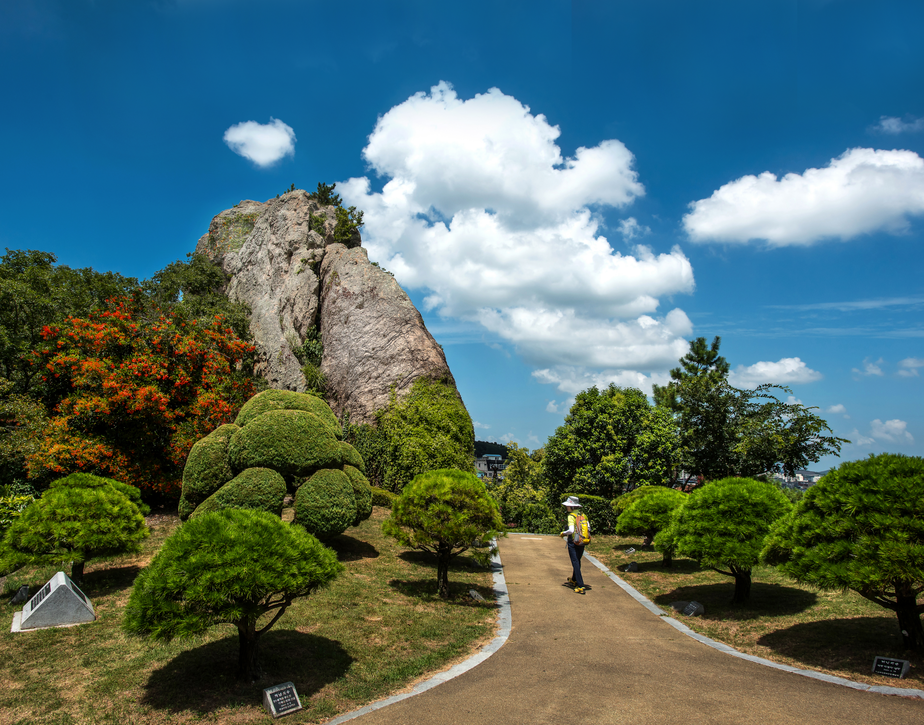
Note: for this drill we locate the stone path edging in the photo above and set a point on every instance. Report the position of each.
(504, 623)
(722, 647)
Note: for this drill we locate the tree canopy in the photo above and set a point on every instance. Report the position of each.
(723, 526)
(725, 431)
(445, 512)
(612, 440)
(132, 387)
(78, 519)
(233, 566)
(649, 514)
(861, 527)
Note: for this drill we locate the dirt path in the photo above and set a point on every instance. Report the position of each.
(604, 656)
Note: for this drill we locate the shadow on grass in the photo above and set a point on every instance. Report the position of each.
(844, 644)
(102, 582)
(203, 680)
(350, 549)
(425, 590)
(767, 600)
(678, 566)
(425, 558)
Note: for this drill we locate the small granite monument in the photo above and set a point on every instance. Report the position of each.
(58, 604)
(281, 700)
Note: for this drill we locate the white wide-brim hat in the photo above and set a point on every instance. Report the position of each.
(572, 501)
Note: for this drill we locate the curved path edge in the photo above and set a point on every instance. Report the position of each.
(722, 647)
(504, 623)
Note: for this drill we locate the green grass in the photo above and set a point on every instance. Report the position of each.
(379, 627)
(838, 633)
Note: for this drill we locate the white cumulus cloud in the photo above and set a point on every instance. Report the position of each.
(908, 368)
(891, 431)
(787, 371)
(838, 409)
(893, 125)
(870, 368)
(482, 426)
(861, 191)
(630, 228)
(262, 143)
(481, 209)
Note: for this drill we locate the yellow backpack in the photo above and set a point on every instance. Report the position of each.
(581, 535)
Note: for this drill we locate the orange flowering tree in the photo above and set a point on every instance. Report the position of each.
(132, 387)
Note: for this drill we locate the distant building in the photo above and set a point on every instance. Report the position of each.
(800, 480)
(490, 465)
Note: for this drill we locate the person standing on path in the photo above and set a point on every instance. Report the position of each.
(577, 534)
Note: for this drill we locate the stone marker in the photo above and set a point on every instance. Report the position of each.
(281, 700)
(475, 595)
(891, 667)
(58, 604)
(21, 596)
(694, 609)
(631, 566)
(679, 606)
(630, 550)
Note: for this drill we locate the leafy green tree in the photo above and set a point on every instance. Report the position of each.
(725, 431)
(34, 293)
(228, 567)
(445, 512)
(522, 485)
(861, 527)
(22, 420)
(78, 519)
(650, 514)
(723, 526)
(427, 429)
(612, 440)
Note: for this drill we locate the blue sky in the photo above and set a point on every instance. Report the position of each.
(568, 191)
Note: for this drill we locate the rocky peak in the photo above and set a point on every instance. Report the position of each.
(282, 260)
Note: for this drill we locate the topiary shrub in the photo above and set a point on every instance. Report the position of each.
(259, 489)
(723, 526)
(621, 503)
(287, 441)
(362, 493)
(207, 469)
(381, 497)
(445, 512)
(87, 480)
(228, 567)
(292, 442)
(649, 515)
(287, 400)
(537, 518)
(74, 524)
(325, 505)
(599, 510)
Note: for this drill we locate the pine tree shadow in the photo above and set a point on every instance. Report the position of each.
(202, 679)
(767, 600)
(845, 644)
(459, 592)
(350, 549)
(102, 582)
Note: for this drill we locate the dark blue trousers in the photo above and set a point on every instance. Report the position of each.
(576, 552)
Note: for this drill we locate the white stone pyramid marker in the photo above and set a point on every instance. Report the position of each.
(58, 604)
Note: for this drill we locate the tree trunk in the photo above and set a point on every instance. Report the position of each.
(909, 621)
(248, 666)
(77, 572)
(442, 573)
(667, 559)
(742, 585)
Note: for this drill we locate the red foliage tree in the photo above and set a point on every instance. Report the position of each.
(131, 389)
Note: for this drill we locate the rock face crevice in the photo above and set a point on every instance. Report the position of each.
(282, 261)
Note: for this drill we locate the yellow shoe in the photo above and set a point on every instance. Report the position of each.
(579, 590)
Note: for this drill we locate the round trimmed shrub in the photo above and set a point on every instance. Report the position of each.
(325, 505)
(350, 457)
(87, 480)
(362, 494)
(259, 489)
(292, 442)
(207, 469)
(287, 400)
(381, 497)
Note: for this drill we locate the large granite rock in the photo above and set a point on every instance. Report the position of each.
(282, 261)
